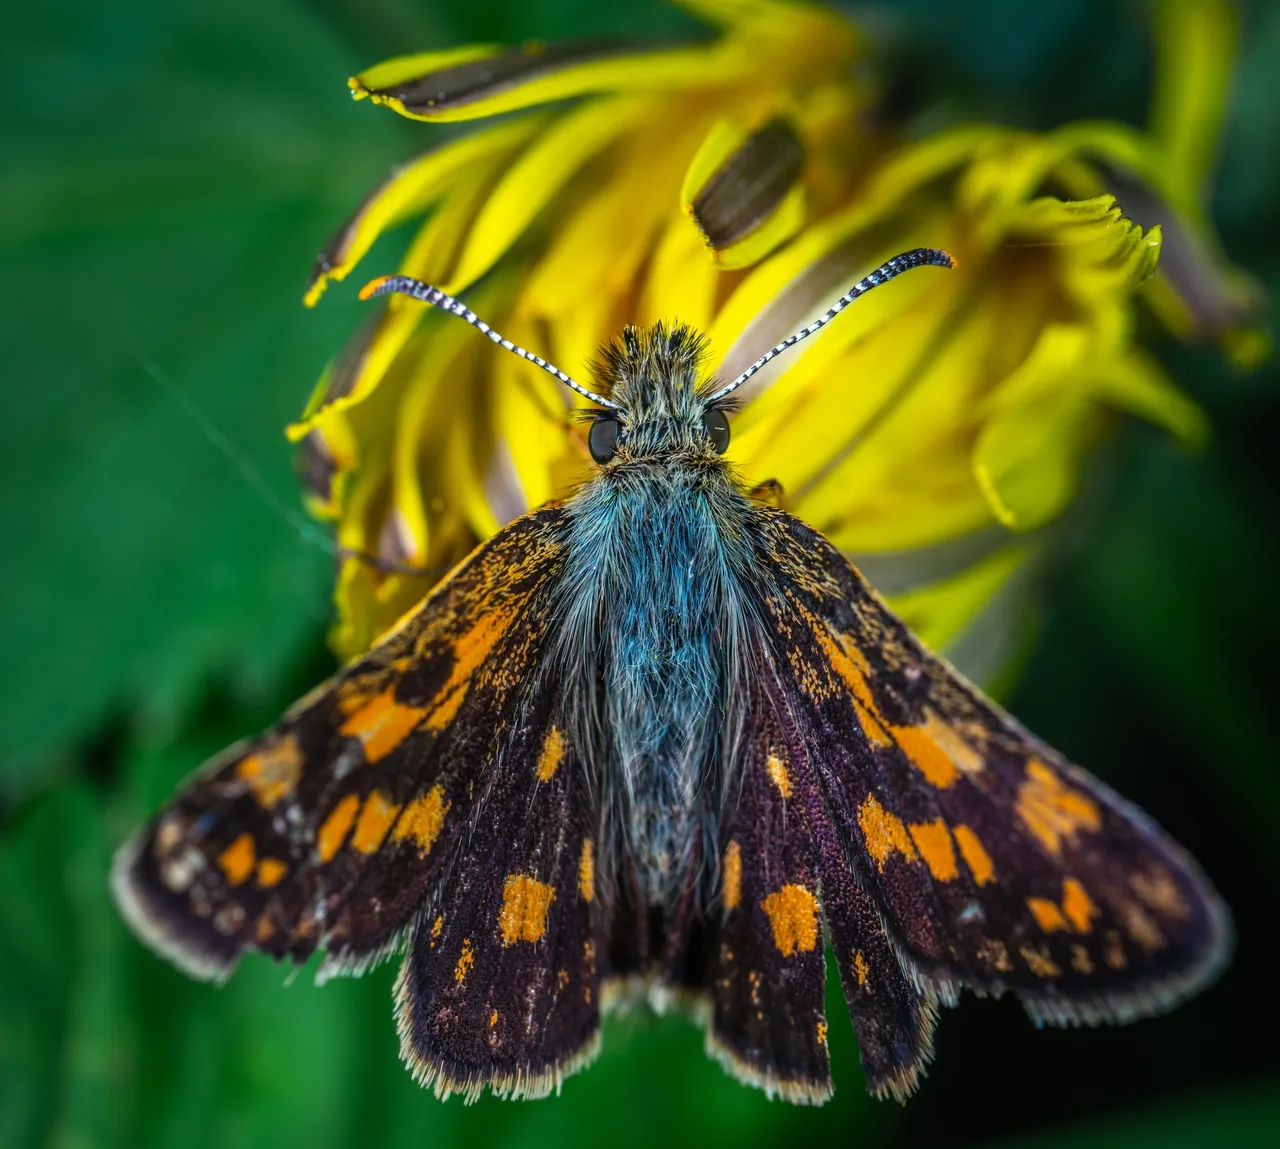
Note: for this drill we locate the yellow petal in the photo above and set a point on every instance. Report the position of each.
(491, 80)
(1195, 48)
(407, 191)
(538, 175)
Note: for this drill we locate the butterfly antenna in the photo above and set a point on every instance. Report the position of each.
(917, 257)
(416, 289)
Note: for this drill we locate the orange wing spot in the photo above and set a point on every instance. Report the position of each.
(1139, 926)
(851, 665)
(793, 915)
(264, 929)
(436, 927)
(883, 833)
(270, 871)
(1159, 891)
(587, 871)
(423, 819)
(1078, 906)
(469, 651)
(777, 771)
(493, 1019)
(822, 1033)
(1047, 915)
(861, 970)
(974, 855)
(382, 724)
(1039, 962)
(551, 756)
(273, 771)
(995, 954)
(466, 959)
(336, 827)
(732, 875)
(376, 816)
(1114, 954)
(1081, 962)
(525, 902)
(937, 750)
(1051, 809)
(934, 843)
(238, 860)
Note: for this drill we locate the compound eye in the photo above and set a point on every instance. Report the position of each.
(602, 439)
(717, 426)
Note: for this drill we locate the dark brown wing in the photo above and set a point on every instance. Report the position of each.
(992, 862)
(332, 828)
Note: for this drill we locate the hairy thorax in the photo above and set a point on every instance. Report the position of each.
(665, 622)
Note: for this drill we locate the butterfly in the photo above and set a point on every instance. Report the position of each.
(662, 742)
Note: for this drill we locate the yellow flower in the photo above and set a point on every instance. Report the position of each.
(740, 185)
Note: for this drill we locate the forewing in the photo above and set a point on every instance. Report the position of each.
(993, 862)
(333, 827)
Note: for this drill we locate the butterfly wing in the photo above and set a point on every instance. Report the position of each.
(330, 828)
(987, 859)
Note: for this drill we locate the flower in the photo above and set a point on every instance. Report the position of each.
(935, 432)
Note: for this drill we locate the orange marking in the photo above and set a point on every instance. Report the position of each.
(376, 816)
(525, 902)
(1078, 906)
(382, 724)
(934, 843)
(822, 1033)
(851, 665)
(732, 875)
(995, 954)
(587, 871)
(861, 969)
(1114, 954)
(336, 826)
(1051, 809)
(270, 871)
(264, 929)
(1139, 926)
(238, 860)
(975, 857)
(1081, 962)
(1047, 915)
(883, 833)
(469, 650)
(1159, 890)
(777, 770)
(466, 959)
(552, 753)
(793, 915)
(273, 771)
(1039, 962)
(436, 927)
(493, 1019)
(423, 819)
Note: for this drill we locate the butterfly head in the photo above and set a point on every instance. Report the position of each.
(659, 404)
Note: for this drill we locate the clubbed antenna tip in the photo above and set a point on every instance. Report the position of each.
(917, 257)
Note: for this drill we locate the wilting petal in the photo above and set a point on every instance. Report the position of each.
(742, 190)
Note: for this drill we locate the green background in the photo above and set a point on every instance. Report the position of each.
(167, 172)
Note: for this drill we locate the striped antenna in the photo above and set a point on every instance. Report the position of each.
(882, 274)
(415, 288)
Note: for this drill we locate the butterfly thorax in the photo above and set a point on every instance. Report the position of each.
(651, 634)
